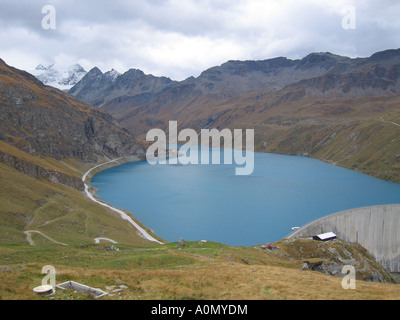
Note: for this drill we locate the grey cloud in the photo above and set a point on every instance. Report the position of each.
(181, 38)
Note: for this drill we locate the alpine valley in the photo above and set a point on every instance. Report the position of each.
(341, 110)
(337, 109)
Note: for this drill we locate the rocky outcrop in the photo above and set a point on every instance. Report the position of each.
(92, 85)
(99, 89)
(335, 268)
(39, 172)
(329, 257)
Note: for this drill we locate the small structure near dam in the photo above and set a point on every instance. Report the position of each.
(376, 228)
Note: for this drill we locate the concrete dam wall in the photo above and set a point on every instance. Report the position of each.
(375, 228)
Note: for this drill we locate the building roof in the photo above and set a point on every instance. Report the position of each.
(326, 236)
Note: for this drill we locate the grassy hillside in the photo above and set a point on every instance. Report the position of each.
(60, 212)
(196, 271)
(66, 223)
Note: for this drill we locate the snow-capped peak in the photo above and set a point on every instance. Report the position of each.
(113, 74)
(42, 67)
(59, 77)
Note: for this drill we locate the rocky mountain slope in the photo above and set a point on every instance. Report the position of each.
(320, 74)
(43, 121)
(324, 106)
(99, 89)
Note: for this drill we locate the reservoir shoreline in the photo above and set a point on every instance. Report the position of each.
(118, 162)
(88, 175)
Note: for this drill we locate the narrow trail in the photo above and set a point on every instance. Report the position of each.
(97, 240)
(32, 243)
(394, 123)
(120, 212)
(29, 238)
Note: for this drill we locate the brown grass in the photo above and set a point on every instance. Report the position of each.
(210, 281)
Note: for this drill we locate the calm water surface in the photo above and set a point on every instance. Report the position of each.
(209, 202)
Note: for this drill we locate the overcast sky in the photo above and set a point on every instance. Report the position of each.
(182, 38)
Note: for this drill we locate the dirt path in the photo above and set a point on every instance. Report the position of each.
(32, 243)
(97, 240)
(394, 123)
(29, 238)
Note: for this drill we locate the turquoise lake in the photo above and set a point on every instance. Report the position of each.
(209, 202)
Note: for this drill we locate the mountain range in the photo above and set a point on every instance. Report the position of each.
(324, 105)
